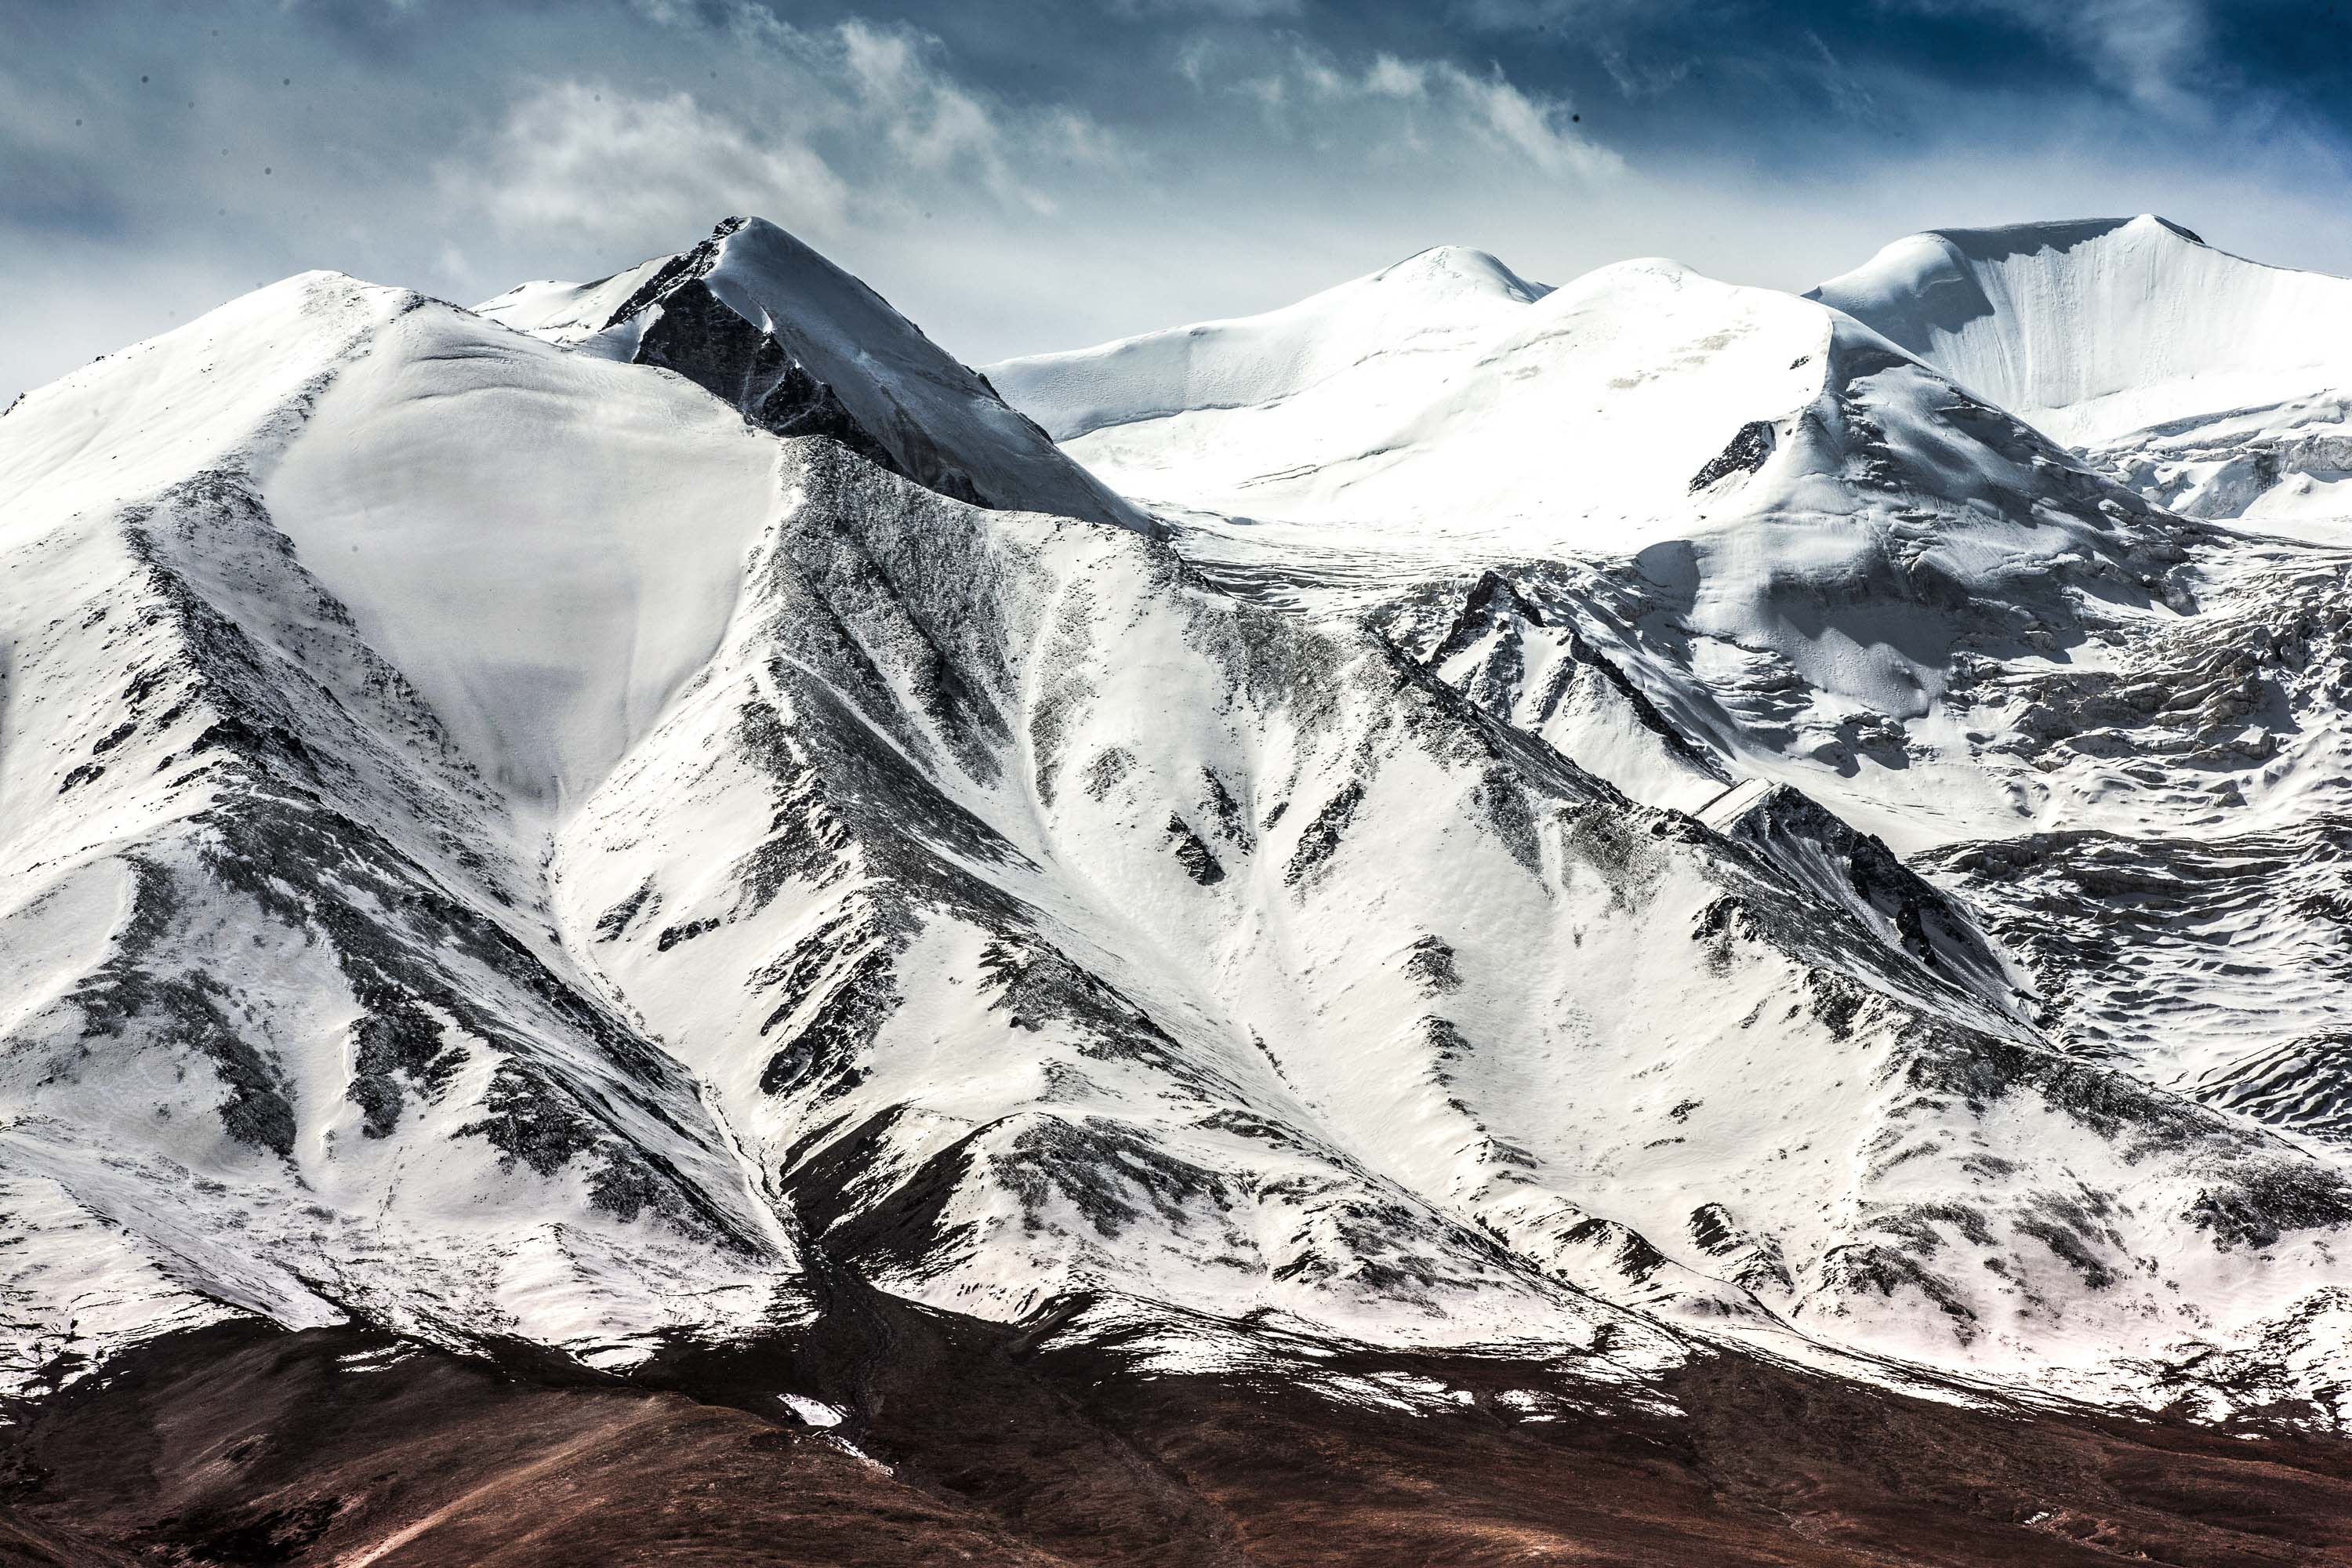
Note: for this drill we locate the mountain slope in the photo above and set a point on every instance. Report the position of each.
(1804, 532)
(1179, 1066)
(2121, 733)
(295, 1039)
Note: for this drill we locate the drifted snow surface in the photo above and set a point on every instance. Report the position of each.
(500, 843)
(547, 545)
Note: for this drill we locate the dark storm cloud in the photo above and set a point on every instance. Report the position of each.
(1028, 175)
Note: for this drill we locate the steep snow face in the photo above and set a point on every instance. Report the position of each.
(2213, 385)
(2097, 328)
(802, 347)
(545, 543)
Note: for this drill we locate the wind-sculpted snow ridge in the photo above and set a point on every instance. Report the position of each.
(2214, 385)
(803, 348)
(513, 851)
(2096, 329)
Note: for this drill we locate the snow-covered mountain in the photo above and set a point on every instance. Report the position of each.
(1693, 534)
(803, 348)
(1805, 533)
(2214, 385)
(644, 814)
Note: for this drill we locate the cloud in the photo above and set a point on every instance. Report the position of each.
(1239, 10)
(1433, 97)
(933, 123)
(612, 167)
(1392, 78)
(1534, 125)
(2152, 50)
(891, 86)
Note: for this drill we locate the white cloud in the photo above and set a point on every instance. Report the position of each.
(573, 156)
(1392, 78)
(929, 121)
(2150, 49)
(1536, 126)
(891, 86)
(853, 106)
(1320, 78)
(1433, 96)
(1237, 10)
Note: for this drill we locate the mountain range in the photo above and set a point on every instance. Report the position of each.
(1460, 888)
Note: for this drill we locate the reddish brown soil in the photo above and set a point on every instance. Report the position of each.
(244, 1446)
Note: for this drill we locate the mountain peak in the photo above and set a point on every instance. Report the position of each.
(1446, 267)
(2001, 241)
(1622, 828)
(760, 318)
(1444, 294)
(2094, 327)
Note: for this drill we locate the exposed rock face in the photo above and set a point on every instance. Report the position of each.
(719, 350)
(1744, 454)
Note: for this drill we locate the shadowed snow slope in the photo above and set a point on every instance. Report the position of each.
(525, 838)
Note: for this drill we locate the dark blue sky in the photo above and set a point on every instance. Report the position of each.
(1038, 174)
